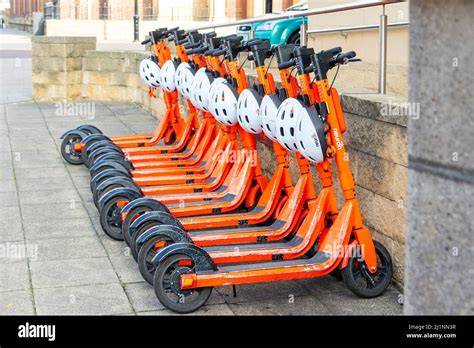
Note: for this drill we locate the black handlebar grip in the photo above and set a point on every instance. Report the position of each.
(146, 41)
(286, 65)
(343, 57)
(218, 53)
(192, 45)
(334, 51)
(197, 50)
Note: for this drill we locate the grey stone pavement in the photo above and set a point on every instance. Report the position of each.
(55, 259)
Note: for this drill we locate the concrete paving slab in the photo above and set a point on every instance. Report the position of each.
(37, 159)
(42, 212)
(69, 248)
(142, 297)
(45, 196)
(68, 228)
(14, 276)
(126, 268)
(303, 305)
(109, 299)
(59, 273)
(27, 186)
(16, 303)
(263, 291)
(219, 309)
(347, 303)
(11, 231)
(11, 213)
(8, 199)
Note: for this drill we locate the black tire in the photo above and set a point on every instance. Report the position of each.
(67, 149)
(146, 254)
(96, 195)
(354, 278)
(95, 183)
(294, 38)
(164, 283)
(110, 218)
(132, 214)
(134, 250)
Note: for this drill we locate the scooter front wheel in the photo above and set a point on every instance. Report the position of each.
(68, 151)
(110, 218)
(360, 281)
(147, 253)
(166, 283)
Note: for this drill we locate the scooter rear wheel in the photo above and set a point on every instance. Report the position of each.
(166, 283)
(359, 280)
(146, 254)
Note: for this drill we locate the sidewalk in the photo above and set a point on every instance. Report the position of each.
(15, 65)
(72, 267)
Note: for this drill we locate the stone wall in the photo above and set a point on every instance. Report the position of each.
(57, 66)
(440, 223)
(376, 139)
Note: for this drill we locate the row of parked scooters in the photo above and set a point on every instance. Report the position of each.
(191, 200)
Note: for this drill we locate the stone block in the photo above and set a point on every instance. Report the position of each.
(377, 138)
(373, 173)
(56, 64)
(63, 40)
(382, 214)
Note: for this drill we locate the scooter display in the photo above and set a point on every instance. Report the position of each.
(191, 200)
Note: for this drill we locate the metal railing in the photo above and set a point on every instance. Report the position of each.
(325, 10)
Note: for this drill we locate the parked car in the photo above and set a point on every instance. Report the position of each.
(277, 31)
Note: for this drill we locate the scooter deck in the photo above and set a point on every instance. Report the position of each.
(237, 194)
(174, 161)
(299, 245)
(211, 154)
(184, 140)
(280, 228)
(329, 255)
(155, 153)
(262, 211)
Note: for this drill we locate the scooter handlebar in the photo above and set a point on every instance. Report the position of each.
(286, 65)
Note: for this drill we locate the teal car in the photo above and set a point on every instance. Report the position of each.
(278, 31)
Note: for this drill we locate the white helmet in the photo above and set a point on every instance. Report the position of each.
(183, 79)
(310, 136)
(167, 79)
(194, 88)
(224, 104)
(212, 90)
(268, 111)
(248, 107)
(150, 72)
(201, 89)
(286, 123)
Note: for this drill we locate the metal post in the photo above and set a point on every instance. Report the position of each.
(135, 23)
(303, 34)
(251, 36)
(383, 52)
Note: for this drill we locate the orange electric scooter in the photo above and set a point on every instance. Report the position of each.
(86, 136)
(185, 274)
